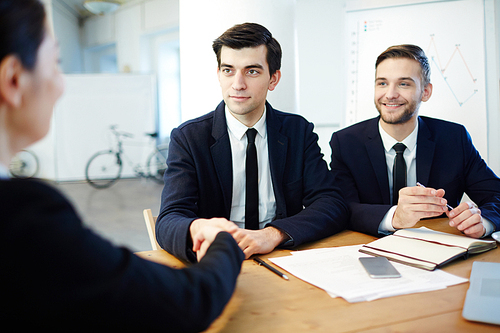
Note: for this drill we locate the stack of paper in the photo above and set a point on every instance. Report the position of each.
(338, 271)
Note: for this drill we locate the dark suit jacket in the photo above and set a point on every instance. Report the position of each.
(198, 180)
(446, 158)
(57, 274)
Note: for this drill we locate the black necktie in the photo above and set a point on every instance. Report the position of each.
(398, 172)
(252, 183)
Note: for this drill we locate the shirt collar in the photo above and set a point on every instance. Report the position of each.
(410, 141)
(239, 130)
(4, 172)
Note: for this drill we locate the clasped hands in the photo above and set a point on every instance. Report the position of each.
(204, 231)
(416, 203)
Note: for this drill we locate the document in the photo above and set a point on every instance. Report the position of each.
(338, 271)
(425, 248)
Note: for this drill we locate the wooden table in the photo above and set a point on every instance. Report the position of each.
(264, 302)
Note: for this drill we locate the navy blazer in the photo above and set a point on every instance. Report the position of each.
(199, 182)
(446, 158)
(59, 275)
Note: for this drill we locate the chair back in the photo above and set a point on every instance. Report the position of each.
(150, 225)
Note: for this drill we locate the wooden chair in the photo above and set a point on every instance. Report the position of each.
(150, 225)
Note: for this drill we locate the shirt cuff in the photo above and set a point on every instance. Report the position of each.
(385, 227)
(488, 225)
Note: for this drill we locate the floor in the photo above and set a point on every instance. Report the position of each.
(116, 212)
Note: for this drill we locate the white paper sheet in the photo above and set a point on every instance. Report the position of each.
(338, 271)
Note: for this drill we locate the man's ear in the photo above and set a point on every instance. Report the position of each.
(275, 78)
(11, 76)
(427, 92)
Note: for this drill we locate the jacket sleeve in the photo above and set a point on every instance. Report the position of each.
(65, 274)
(365, 217)
(315, 206)
(481, 183)
(178, 200)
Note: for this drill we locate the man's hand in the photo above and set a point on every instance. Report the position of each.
(203, 232)
(467, 218)
(258, 241)
(416, 203)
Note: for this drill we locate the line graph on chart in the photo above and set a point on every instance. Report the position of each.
(455, 71)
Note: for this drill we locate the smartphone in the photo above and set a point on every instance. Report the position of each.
(379, 267)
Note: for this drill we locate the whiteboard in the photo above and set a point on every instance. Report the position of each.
(452, 35)
(83, 115)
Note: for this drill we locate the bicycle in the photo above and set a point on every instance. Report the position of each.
(104, 168)
(24, 165)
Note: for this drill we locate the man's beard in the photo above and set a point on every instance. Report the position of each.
(408, 113)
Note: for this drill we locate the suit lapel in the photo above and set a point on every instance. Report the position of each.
(376, 153)
(277, 146)
(221, 156)
(425, 152)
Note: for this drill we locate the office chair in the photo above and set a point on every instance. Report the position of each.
(150, 225)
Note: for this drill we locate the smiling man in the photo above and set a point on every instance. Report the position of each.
(256, 172)
(379, 162)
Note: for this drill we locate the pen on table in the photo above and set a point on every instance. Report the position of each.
(449, 207)
(272, 269)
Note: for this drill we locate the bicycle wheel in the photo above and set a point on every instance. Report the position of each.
(157, 164)
(24, 165)
(103, 169)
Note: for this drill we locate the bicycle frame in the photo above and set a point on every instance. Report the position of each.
(105, 167)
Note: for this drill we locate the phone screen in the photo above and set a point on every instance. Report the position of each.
(379, 267)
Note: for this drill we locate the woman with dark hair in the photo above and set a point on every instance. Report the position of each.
(57, 274)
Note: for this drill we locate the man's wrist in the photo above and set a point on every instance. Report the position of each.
(283, 239)
(194, 227)
(276, 235)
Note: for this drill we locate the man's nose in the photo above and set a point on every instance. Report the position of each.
(392, 92)
(239, 82)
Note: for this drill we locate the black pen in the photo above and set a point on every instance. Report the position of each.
(449, 207)
(272, 269)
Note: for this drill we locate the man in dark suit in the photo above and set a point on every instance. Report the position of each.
(439, 154)
(206, 181)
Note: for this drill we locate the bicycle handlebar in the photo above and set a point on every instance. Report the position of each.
(118, 134)
(129, 135)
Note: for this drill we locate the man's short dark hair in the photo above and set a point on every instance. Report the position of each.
(410, 52)
(250, 35)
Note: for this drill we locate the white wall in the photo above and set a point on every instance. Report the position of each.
(203, 21)
(320, 40)
(68, 35)
(127, 26)
(90, 105)
(492, 18)
(311, 33)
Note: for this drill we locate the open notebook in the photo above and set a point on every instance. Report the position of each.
(425, 248)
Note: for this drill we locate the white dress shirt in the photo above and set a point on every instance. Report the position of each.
(4, 172)
(238, 140)
(410, 156)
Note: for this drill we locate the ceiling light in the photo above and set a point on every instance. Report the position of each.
(100, 7)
